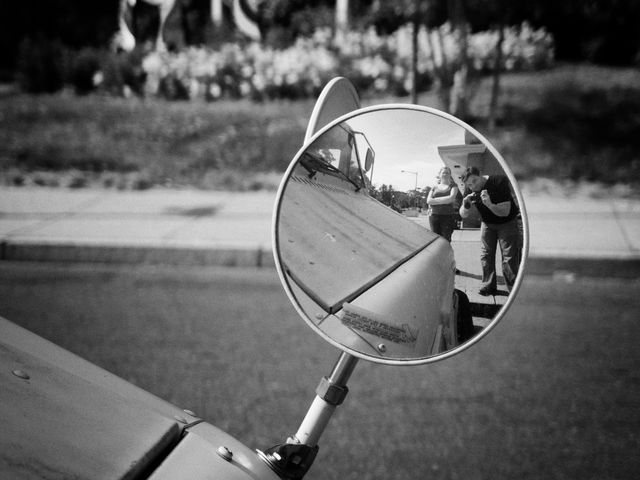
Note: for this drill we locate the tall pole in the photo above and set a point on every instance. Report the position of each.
(416, 184)
(216, 12)
(495, 86)
(414, 52)
(342, 18)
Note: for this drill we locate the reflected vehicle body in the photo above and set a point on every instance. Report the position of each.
(371, 280)
(365, 274)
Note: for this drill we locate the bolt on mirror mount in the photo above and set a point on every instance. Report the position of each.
(293, 459)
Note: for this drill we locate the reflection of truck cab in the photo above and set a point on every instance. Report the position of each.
(341, 155)
(395, 294)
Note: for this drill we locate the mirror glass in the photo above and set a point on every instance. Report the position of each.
(373, 246)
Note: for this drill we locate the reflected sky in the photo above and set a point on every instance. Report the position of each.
(392, 134)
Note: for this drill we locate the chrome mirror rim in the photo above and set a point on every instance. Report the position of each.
(508, 173)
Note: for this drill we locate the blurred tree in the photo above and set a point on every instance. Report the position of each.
(187, 23)
(387, 17)
(148, 19)
(73, 23)
(194, 16)
(383, 194)
(285, 20)
(397, 200)
(600, 31)
(458, 99)
(496, 15)
(42, 65)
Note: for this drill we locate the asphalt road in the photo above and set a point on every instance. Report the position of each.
(553, 392)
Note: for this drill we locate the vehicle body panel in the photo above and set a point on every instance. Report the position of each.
(197, 458)
(63, 417)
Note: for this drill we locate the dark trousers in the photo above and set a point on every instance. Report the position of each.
(443, 225)
(508, 236)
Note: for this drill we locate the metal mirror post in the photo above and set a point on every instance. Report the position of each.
(293, 459)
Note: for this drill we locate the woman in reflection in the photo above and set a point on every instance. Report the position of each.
(442, 200)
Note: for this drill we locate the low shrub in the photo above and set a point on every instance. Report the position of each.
(374, 63)
(78, 180)
(123, 72)
(42, 65)
(46, 66)
(580, 133)
(85, 70)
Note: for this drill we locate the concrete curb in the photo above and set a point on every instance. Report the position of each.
(261, 256)
(605, 267)
(227, 256)
(576, 236)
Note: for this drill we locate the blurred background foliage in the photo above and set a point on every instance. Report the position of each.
(600, 31)
(562, 102)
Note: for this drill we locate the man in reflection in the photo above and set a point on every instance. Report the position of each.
(491, 196)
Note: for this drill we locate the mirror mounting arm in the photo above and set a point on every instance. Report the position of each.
(292, 459)
(329, 394)
(289, 461)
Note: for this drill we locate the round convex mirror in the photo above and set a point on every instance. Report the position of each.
(400, 234)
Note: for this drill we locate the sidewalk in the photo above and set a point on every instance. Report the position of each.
(583, 236)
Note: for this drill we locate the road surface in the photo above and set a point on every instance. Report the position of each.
(553, 392)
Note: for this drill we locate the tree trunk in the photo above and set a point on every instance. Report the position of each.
(414, 54)
(216, 13)
(495, 86)
(443, 74)
(342, 17)
(458, 102)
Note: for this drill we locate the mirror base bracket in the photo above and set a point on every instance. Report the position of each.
(289, 461)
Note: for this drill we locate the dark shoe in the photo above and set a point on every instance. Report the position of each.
(486, 291)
